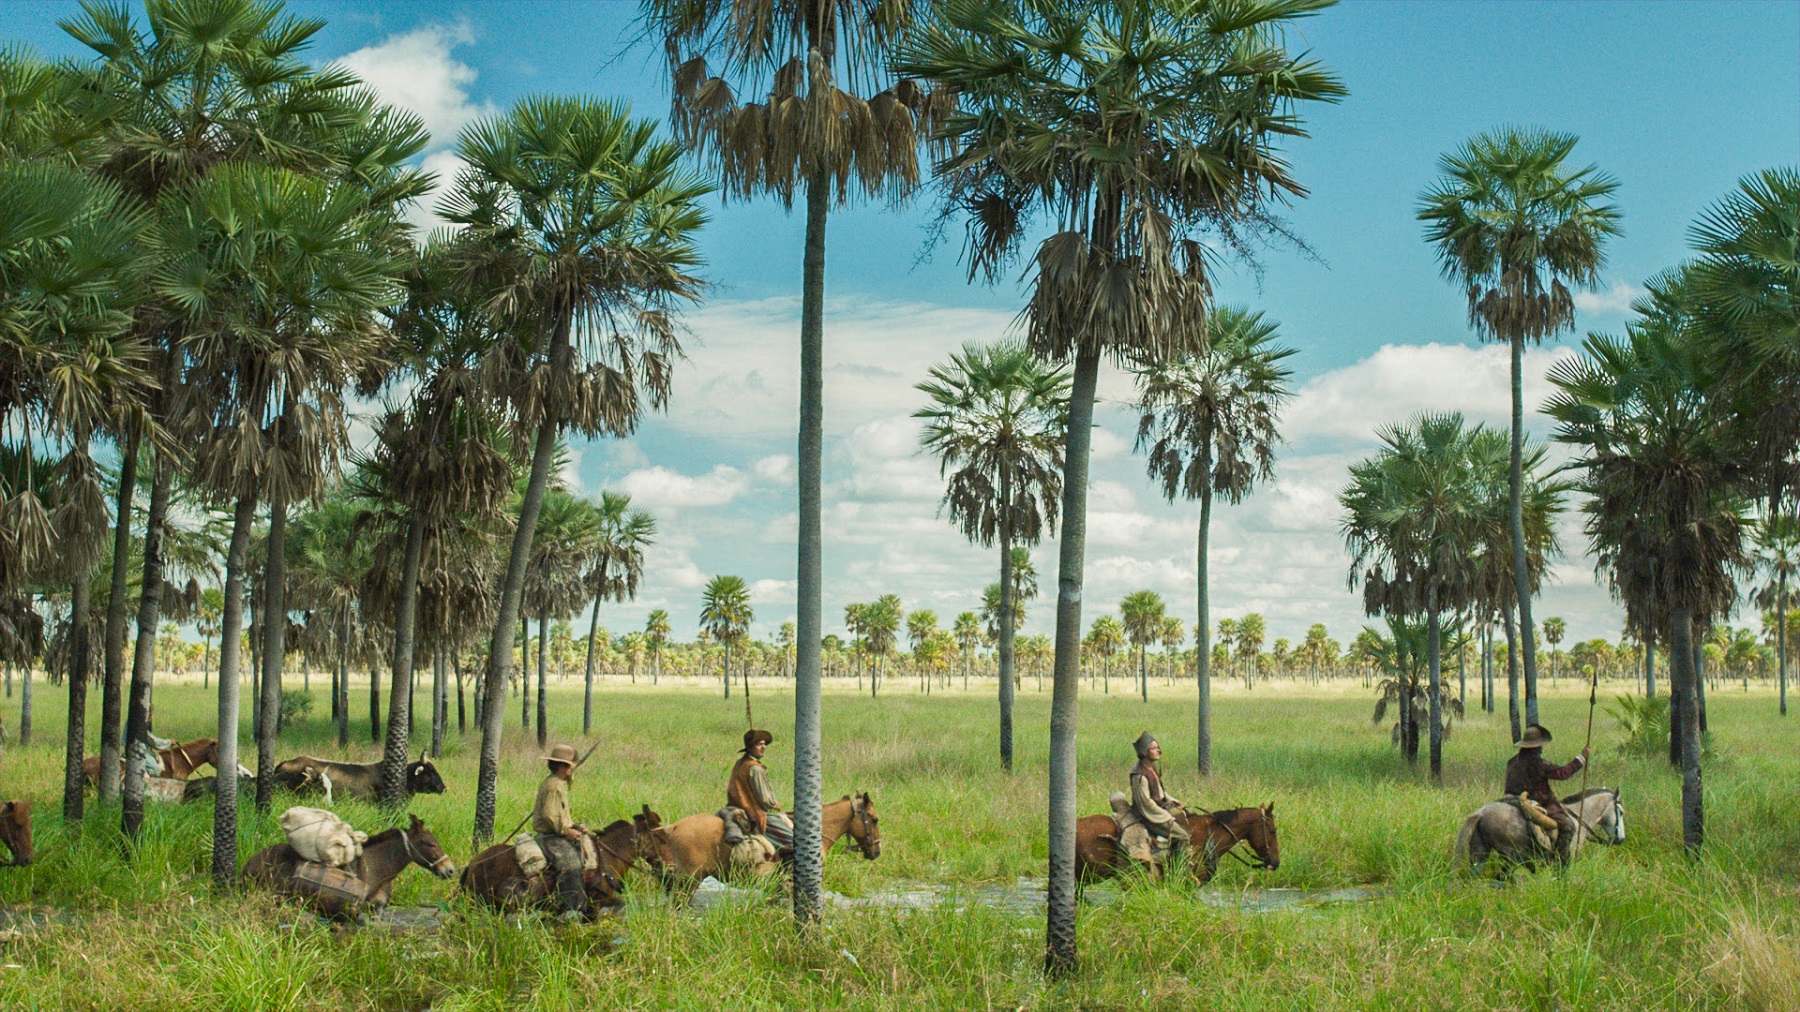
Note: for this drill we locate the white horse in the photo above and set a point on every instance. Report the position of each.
(1499, 829)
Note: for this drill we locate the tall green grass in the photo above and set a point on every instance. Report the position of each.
(1635, 927)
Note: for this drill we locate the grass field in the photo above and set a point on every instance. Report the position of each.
(1637, 927)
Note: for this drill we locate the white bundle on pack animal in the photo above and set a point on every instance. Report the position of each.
(529, 854)
(321, 836)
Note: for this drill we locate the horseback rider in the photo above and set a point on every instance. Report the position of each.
(557, 832)
(1528, 775)
(748, 792)
(1153, 815)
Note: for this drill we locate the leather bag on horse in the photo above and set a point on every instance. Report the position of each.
(334, 891)
(529, 853)
(1544, 829)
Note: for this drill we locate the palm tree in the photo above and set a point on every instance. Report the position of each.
(1251, 631)
(725, 613)
(1313, 647)
(921, 627)
(579, 230)
(997, 416)
(1143, 615)
(619, 565)
(1667, 452)
(1173, 635)
(331, 563)
(1516, 228)
(1105, 638)
(656, 627)
(1147, 122)
(828, 142)
(1411, 512)
(1210, 424)
(1554, 631)
(1778, 556)
(880, 624)
(967, 631)
(564, 550)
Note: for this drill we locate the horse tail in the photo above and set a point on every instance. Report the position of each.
(1471, 849)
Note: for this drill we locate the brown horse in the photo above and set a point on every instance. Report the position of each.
(1212, 835)
(493, 876)
(384, 857)
(15, 831)
(177, 762)
(697, 843)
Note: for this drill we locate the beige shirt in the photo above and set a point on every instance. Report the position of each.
(759, 783)
(551, 813)
(1145, 806)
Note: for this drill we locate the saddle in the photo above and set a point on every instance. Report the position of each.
(533, 861)
(1544, 829)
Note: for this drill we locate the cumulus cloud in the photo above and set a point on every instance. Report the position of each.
(1615, 300)
(418, 72)
(659, 486)
(1402, 379)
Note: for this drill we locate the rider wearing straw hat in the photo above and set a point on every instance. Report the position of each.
(748, 791)
(557, 830)
(1528, 775)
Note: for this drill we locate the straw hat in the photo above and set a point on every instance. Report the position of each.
(561, 754)
(1535, 737)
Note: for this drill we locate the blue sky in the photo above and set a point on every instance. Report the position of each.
(1675, 100)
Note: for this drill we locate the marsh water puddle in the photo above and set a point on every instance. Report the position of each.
(1028, 896)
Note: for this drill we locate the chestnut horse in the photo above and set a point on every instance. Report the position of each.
(384, 857)
(493, 876)
(178, 762)
(15, 831)
(1212, 835)
(697, 843)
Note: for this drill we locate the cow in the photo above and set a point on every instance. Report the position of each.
(357, 780)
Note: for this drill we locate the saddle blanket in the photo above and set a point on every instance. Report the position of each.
(334, 890)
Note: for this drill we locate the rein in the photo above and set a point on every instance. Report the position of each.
(1259, 863)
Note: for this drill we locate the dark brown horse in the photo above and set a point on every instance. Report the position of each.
(1212, 835)
(15, 831)
(384, 857)
(493, 876)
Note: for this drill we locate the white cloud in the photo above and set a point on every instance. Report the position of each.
(659, 486)
(1402, 379)
(416, 71)
(777, 468)
(1614, 300)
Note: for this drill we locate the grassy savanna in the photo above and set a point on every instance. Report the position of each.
(1621, 929)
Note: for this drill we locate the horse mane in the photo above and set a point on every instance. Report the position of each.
(616, 826)
(1222, 815)
(1588, 793)
(382, 837)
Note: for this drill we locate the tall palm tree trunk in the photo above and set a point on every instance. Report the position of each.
(274, 647)
(1780, 641)
(543, 709)
(1434, 691)
(143, 661)
(110, 744)
(1684, 677)
(406, 620)
(1006, 628)
(342, 704)
(374, 705)
(1700, 677)
(462, 712)
(1512, 675)
(726, 651)
(1521, 565)
(511, 593)
(1060, 958)
(587, 687)
(1649, 665)
(25, 706)
(438, 709)
(75, 744)
(231, 646)
(1203, 633)
(524, 671)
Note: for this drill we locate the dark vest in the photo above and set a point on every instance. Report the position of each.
(1146, 769)
(739, 794)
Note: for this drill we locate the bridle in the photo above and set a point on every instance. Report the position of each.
(1259, 863)
(413, 855)
(871, 836)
